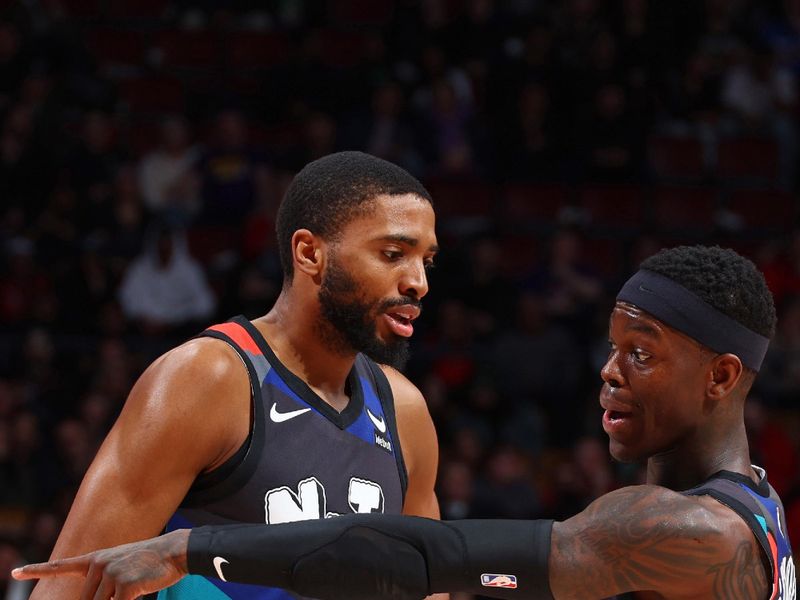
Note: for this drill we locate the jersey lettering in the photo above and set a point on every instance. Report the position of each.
(283, 505)
(364, 496)
(787, 579)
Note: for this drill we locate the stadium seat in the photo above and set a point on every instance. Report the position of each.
(361, 12)
(188, 49)
(685, 210)
(676, 159)
(256, 50)
(748, 159)
(152, 95)
(533, 205)
(117, 47)
(763, 211)
(463, 198)
(618, 208)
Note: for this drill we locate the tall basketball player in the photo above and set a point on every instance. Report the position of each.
(296, 415)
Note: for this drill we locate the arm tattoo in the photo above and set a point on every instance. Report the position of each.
(649, 538)
(741, 577)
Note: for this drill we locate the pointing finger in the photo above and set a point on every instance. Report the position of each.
(69, 567)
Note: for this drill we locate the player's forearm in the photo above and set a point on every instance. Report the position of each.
(368, 556)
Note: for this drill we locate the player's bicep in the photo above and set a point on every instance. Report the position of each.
(649, 538)
(167, 433)
(420, 447)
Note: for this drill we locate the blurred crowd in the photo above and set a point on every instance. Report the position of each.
(145, 146)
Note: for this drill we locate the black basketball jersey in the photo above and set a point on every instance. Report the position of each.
(762, 510)
(303, 460)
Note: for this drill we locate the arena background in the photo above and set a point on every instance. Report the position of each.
(563, 141)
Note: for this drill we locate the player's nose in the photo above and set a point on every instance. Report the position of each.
(414, 282)
(611, 372)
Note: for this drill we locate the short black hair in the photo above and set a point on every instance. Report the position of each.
(724, 279)
(330, 191)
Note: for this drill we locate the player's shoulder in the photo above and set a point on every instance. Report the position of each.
(406, 395)
(200, 371)
(691, 515)
(204, 359)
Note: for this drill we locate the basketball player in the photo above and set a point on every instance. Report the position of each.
(290, 416)
(687, 334)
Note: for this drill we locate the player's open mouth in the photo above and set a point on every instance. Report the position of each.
(617, 422)
(616, 415)
(399, 324)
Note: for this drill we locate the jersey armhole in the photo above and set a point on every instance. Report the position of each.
(231, 475)
(386, 397)
(755, 526)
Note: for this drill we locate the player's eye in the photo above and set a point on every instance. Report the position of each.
(429, 265)
(640, 355)
(392, 255)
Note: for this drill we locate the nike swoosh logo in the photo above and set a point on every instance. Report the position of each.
(218, 562)
(279, 417)
(380, 424)
(646, 290)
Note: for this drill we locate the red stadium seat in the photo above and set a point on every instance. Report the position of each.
(117, 46)
(676, 158)
(361, 12)
(152, 95)
(685, 209)
(748, 159)
(604, 255)
(520, 254)
(534, 204)
(256, 51)
(188, 49)
(137, 9)
(340, 48)
(763, 210)
(463, 199)
(614, 206)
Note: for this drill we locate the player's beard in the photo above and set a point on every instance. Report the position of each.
(348, 321)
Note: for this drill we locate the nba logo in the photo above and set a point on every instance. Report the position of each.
(499, 580)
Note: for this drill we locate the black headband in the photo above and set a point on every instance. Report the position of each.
(677, 307)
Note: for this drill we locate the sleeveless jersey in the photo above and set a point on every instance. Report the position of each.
(762, 510)
(303, 460)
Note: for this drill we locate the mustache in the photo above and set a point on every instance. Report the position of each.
(400, 301)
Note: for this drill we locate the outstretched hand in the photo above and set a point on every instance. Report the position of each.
(123, 572)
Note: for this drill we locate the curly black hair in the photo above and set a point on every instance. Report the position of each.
(330, 191)
(724, 279)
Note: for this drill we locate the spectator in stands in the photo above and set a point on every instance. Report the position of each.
(165, 174)
(386, 129)
(165, 287)
(760, 97)
(233, 174)
(92, 166)
(524, 358)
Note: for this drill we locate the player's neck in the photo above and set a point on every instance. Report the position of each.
(289, 330)
(693, 462)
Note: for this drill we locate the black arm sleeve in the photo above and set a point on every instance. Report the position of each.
(363, 557)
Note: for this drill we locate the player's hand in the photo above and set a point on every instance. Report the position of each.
(123, 572)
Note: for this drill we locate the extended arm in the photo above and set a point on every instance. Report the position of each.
(638, 538)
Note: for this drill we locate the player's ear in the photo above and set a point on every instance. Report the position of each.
(726, 372)
(308, 253)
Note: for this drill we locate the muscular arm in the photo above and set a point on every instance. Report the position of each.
(175, 424)
(420, 446)
(651, 538)
(420, 449)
